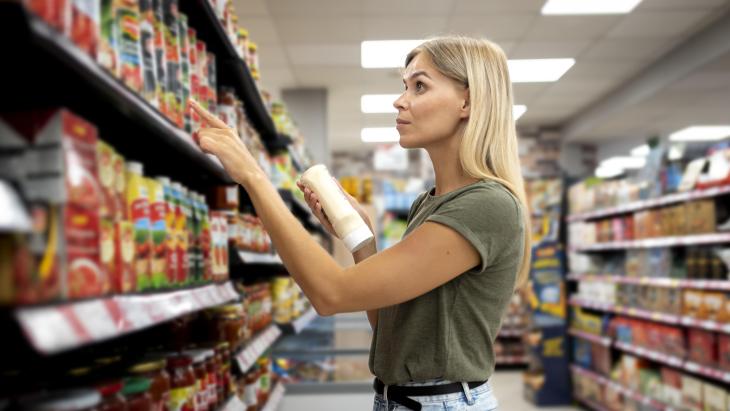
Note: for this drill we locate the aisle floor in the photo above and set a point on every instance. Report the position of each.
(507, 386)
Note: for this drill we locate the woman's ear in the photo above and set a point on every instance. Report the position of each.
(465, 105)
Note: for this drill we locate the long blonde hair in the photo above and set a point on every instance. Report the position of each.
(489, 145)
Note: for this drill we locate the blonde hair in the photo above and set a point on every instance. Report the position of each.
(489, 145)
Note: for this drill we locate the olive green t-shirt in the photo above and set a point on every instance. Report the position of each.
(449, 332)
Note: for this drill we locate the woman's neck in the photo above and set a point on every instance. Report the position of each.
(447, 168)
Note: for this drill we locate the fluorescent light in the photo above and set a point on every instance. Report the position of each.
(589, 6)
(676, 151)
(624, 162)
(701, 133)
(378, 103)
(641, 151)
(518, 110)
(379, 135)
(386, 53)
(538, 70)
(608, 171)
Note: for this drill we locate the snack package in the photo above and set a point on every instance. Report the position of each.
(124, 279)
(692, 394)
(85, 31)
(158, 225)
(185, 71)
(139, 213)
(171, 16)
(107, 212)
(128, 42)
(160, 61)
(107, 49)
(148, 22)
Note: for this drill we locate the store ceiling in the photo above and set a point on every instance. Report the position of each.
(316, 43)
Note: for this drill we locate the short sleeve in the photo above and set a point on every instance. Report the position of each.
(415, 206)
(488, 217)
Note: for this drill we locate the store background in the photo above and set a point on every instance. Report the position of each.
(627, 307)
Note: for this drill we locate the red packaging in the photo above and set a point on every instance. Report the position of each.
(194, 77)
(120, 188)
(723, 348)
(56, 13)
(123, 280)
(212, 82)
(85, 15)
(202, 72)
(63, 169)
(703, 347)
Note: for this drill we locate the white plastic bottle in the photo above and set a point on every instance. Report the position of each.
(346, 221)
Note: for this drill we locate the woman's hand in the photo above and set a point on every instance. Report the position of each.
(314, 205)
(223, 142)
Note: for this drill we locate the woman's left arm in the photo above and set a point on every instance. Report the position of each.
(428, 257)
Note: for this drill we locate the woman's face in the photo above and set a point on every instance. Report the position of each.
(432, 107)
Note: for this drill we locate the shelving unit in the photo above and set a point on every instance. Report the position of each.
(248, 355)
(701, 239)
(252, 257)
(618, 387)
(652, 203)
(296, 326)
(277, 394)
(57, 327)
(719, 285)
(604, 341)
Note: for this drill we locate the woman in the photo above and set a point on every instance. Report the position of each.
(436, 299)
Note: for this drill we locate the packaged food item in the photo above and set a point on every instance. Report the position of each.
(201, 378)
(160, 61)
(139, 211)
(242, 44)
(212, 82)
(171, 15)
(188, 234)
(702, 346)
(182, 383)
(120, 187)
(57, 13)
(181, 235)
(147, 27)
(85, 15)
(158, 228)
(128, 44)
(124, 279)
(723, 348)
(202, 53)
(170, 247)
(159, 390)
(107, 212)
(206, 243)
(715, 398)
(700, 216)
(185, 71)
(348, 224)
(137, 393)
(107, 54)
(713, 304)
(194, 76)
(692, 306)
(195, 245)
(111, 396)
(219, 246)
(672, 386)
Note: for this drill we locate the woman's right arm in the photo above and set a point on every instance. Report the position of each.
(359, 255)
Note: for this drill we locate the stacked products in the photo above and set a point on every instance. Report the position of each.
(100, 225)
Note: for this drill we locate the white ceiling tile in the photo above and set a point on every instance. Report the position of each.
(602, 70)
(495, 27)
(272, 56)
(311, 30)
(502, 6)
(262, 30)
(658, 24)
(547, 28)
(277, 79)
(643, 49)
(324, 54)
(679, 4)
(548, 49)
(402, 28)
(408, 7)
(315, 8)
(525, 93)
(251, 8)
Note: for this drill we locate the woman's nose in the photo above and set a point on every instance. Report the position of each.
(400, 103)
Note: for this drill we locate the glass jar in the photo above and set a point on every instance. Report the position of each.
(137, 392)
(111, 397)
(224, 371)
(182, 383)
(229, 324)
(62, 400)
(160, 381)
(264, 380)
(212, 365)
(201, 379)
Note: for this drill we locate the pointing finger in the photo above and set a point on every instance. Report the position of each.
(206, 115)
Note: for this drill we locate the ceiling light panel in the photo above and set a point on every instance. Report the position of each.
(518, 110)
(574, 7)
(538, 70)
(701, 133)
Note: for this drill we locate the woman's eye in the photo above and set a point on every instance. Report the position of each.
(419, 86)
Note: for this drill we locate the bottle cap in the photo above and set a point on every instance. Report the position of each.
(358, 238)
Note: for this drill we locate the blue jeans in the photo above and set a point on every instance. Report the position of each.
(482, 399)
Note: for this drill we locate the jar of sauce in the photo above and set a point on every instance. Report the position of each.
(111, 396)
(201, 379)
(212, 366)
(137, 392)
(182, 383)
(160, 381)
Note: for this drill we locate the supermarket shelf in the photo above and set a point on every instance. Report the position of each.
(657, 202)
(124, 107)
(654, 281)
(650, 354)
(604, 341)
(277, 394)
(60, 327)
(511, 359)
(256, 347)
(673, 361)
(296, 326)
(278, 143)
(714, 238)
(511, 332)
(302, 211)
(232, 70)
(652, 315)
(252, 257)
(233, 404)
(618, 387)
